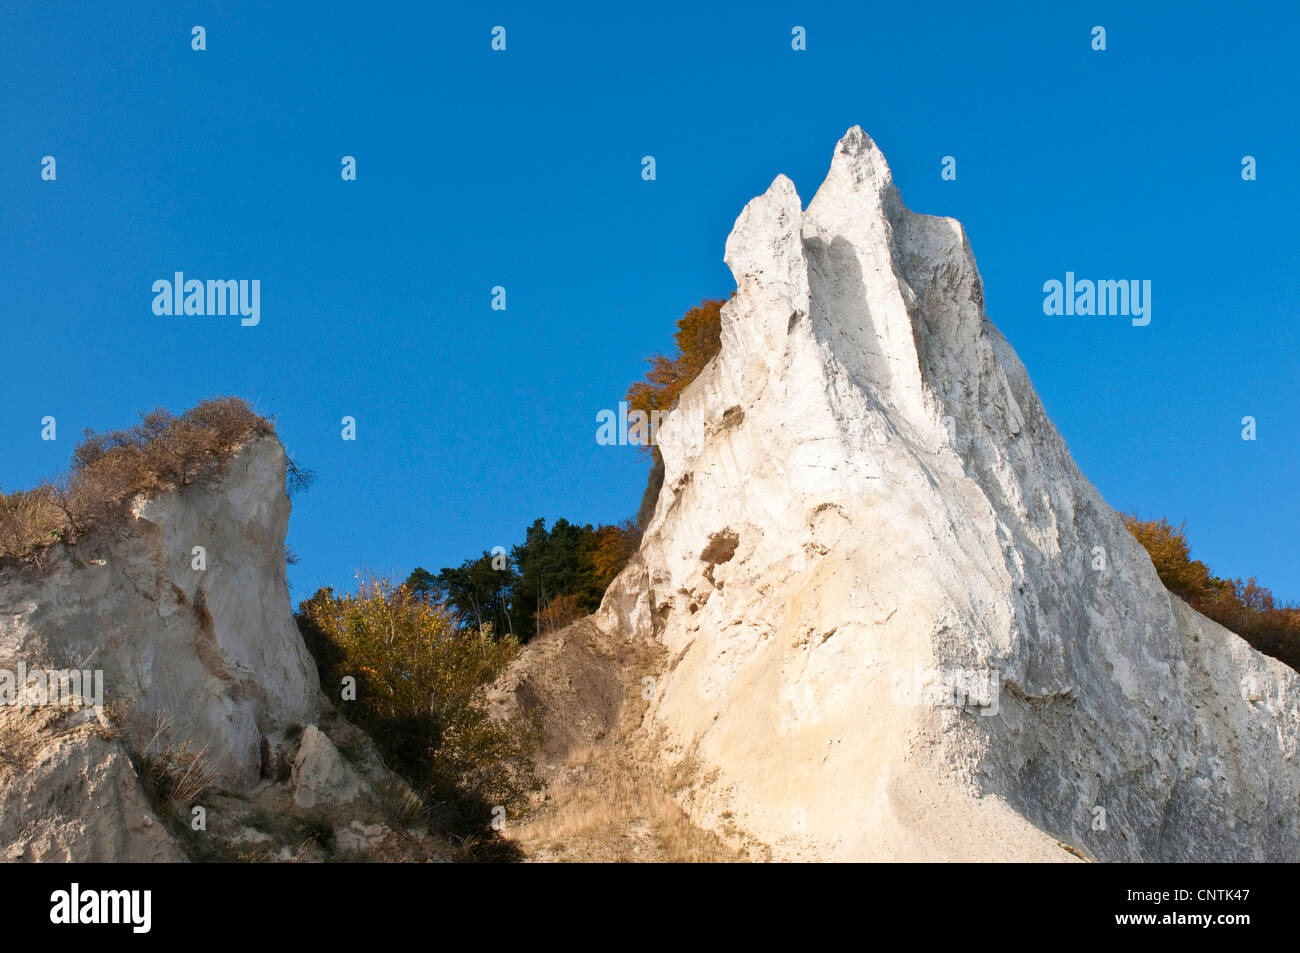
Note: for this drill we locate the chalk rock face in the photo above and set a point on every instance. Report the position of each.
(70, 794)
(213, 652)
(902, 624)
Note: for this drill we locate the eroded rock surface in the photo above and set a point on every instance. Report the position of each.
(863, 496)
(320, 775)
(68, 793)
(214, 652)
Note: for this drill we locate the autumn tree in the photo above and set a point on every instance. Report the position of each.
(1170, 554)
(1245, 608)
(698, 339)
(602, 555)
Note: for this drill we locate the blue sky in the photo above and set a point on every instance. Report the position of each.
(522, 169)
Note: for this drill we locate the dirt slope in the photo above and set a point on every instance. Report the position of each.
(604, 798)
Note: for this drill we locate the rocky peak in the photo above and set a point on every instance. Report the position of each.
(931, 636)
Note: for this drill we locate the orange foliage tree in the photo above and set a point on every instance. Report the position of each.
(698, 339)
(602, 554)
(1246, 608)
(561, 611)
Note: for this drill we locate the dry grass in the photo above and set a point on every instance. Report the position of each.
(175, 771)
(612, 807)
(607, 799)
(25, 732)
(112, 468)
(181, 772)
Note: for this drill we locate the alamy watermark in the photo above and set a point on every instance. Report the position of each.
(621, 428)
(213, 297)
(949, 688)
(131, 908)
(40, 686)
(692, 422)
(1126, 298)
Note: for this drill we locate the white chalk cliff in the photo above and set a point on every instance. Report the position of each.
(213, 652)
(862, 492)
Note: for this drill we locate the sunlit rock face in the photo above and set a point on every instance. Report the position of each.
(212, 653)
(69, 793)
(902, 624)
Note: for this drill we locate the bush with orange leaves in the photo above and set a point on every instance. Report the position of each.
(1246, 608)
(561, 611)
(602, 554)
(698, 339)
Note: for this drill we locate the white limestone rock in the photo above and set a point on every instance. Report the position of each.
(320, 775)
(863, 489)
(214, 652)
(68, 793)
(360, 837)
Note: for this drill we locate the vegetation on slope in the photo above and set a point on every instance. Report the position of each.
(1245, 608)
(698, 339)
(557, 576)
(554, 577)
(424, 652)
(109, 469)
(420, 681)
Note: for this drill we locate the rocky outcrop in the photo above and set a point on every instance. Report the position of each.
(901, 623)
(70, 794)
(186, 611)
(209, 742)
(320, 775)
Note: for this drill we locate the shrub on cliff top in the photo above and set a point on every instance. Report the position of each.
(698, 339)
(1245, 608)
(109, 469)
